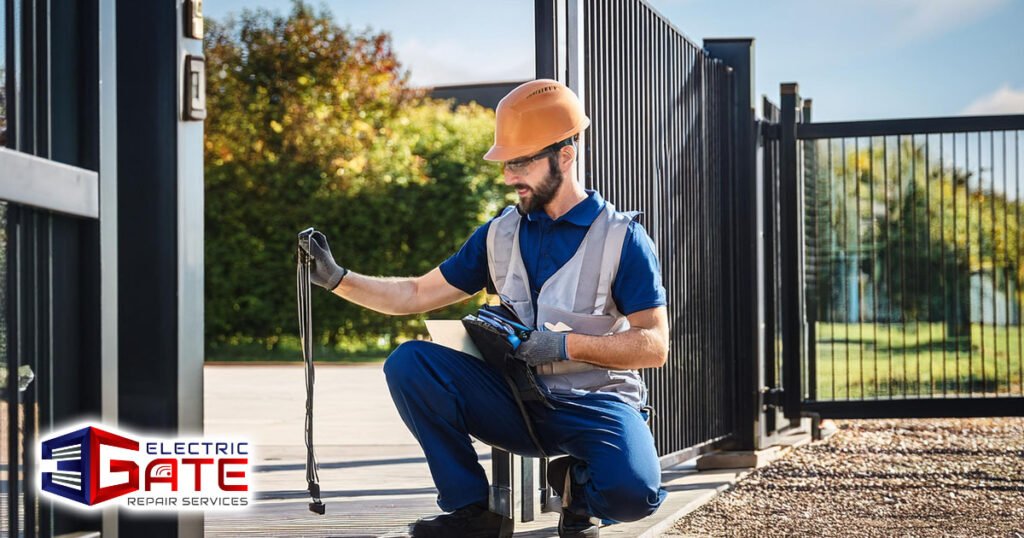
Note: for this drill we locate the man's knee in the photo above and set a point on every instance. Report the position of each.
(630, 497)
(406, 362)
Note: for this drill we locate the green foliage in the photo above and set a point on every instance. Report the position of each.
(312, 124)
(915, 225)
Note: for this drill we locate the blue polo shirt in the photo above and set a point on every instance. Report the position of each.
(546, 245)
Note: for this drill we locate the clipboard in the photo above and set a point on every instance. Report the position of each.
(451, 333)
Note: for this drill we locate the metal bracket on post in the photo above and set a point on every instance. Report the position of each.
(815, 425)
(771, 397)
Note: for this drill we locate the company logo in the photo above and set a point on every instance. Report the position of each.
(89, 466)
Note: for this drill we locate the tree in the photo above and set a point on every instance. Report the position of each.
(313, 124)
(917, 226)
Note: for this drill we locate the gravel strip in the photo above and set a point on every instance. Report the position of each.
(947, 477)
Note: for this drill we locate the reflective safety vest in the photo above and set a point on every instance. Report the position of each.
(578, 295)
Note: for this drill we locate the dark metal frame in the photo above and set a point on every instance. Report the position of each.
(740, 229)
(911, 126)
(639, 67)
(797, 234)
(52, 206)
(790, 240)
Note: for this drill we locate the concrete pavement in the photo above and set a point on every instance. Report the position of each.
(372, 472)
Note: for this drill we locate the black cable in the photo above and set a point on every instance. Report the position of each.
(305, 338)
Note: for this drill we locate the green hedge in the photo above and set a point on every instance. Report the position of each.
(312, 124)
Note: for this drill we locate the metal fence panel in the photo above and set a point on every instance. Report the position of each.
(910, 253)
(660, 143)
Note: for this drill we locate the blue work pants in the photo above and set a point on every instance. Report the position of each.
(445, 396)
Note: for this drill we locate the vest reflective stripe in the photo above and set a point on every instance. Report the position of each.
(578, 295)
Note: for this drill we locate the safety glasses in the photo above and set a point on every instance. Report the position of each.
(519, 166)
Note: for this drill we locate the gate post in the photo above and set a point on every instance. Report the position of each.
(790, 238)
(739, 248)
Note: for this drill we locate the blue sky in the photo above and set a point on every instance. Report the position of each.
(858, 59)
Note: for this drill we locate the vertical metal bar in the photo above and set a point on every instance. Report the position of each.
(673, 91)
(790, 238)
(678, 211)
(108, 226)
(614, 152)
(546, 38)
(942, 257)
(875, 261)
(897, 315)
(858, 250)
(576, 67)
(1005, 266)
(956, 273)
(1017, 282)
(930, 288)
(41, 88)
(526, 487)
(770, 235)
(887, 272)
(914, 269)
(29, 314)
(847, 273)
(981, 253)
(970, 286)
(686, 229)
(13, 306)
(995, 261)
(994, 241)
(902, 265)
(28, 86)
(542, 480)
(832, 269)
(500, 500)
(36, 355)
(12, 73)
(702, 221)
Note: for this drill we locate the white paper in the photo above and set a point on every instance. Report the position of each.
(451, 333)
(558, 328)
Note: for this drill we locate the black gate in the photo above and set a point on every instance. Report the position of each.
(899, 268)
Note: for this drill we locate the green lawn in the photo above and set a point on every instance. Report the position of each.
(870, 360)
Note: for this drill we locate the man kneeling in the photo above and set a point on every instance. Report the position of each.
(587, 282)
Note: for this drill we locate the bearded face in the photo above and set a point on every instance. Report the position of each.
(532, 198)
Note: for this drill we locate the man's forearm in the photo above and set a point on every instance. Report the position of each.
(629, 350)
(387, 295)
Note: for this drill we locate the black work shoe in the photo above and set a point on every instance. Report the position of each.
(473, 521)
(575, 526)
(571, 524)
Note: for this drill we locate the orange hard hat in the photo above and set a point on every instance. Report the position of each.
(534, 116)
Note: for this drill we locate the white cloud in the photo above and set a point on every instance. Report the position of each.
(450, 62)
(915, 19)
(1005, 100)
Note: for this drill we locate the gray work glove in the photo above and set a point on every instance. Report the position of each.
(325, 272)
(542, 347)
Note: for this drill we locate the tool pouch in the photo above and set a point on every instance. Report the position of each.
(497, 351)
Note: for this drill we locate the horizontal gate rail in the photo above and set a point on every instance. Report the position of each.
(912, 126)
(45, 184)
(936, 407)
